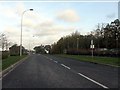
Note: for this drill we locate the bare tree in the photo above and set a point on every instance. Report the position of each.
(4, 43)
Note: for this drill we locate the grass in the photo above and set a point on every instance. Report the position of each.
(114, 61)
(0, 65)
(11, 60)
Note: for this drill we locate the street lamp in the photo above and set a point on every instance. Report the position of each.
(21, 30)
(77, 43)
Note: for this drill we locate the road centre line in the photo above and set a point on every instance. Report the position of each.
(93, 81)
(46, 57)
(51, 59)
(65, 66)
(82, 75)
(56, 61)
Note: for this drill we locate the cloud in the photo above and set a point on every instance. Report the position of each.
(11, 31)
(45, 35)
(111, 16)
(47, 23)
(52, 30)
(20, 7)
(68, 15)
(13, 35)
(51, 34)
(29, 23)
(36, 23)
(7, 12)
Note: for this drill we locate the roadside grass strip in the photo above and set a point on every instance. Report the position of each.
(0, 65)
(112, 61)
(10, 61)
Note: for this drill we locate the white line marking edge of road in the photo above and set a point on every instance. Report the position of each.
(93, 81)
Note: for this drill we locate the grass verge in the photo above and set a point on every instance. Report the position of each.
(11, 60)
(0, 65)
(114, 61)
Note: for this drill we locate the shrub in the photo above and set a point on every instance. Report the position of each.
(5, 54)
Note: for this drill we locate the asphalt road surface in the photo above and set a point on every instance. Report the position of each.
(50, 71)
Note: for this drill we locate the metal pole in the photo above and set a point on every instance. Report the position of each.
(68, 44)
(92, 48)
(29, 45)
(92, 52)
(21, 30)
(77, 43)
(117, 40)
(21, 36)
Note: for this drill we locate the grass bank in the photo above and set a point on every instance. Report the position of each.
(96, 59)
(11, 60)
(0, 65)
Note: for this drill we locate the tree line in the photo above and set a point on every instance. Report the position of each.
(106, 40)
(42, 49)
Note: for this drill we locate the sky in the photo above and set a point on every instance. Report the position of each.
(49, 21)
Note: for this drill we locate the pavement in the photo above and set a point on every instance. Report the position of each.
(50, 71)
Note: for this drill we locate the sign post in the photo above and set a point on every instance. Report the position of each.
(92, 47)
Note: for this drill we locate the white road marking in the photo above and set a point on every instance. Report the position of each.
(13, 67)
(82, 75)
(65, 66)
(93, 81)
(46, 57)
(51, 59)
(56, 61)
(9, 72)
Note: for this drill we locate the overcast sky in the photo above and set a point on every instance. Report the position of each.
(51, 20)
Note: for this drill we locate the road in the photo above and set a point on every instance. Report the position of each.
(50, 71)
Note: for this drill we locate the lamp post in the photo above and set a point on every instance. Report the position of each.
(77, 43)
(21, 30)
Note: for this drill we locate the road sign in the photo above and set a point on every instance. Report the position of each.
(92, 46)
(91, 42)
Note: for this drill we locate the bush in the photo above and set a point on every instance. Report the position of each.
(110, 52)
(5, 54)
(14, 54)
(79, 51)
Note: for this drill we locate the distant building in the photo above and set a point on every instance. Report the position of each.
(15, 50)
